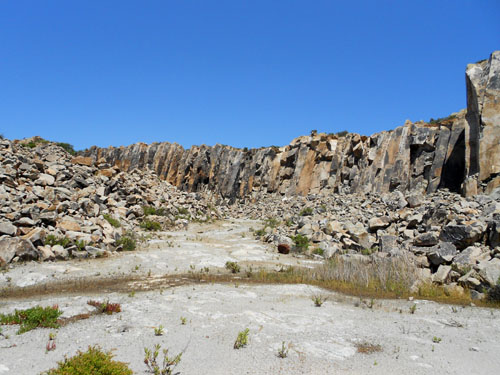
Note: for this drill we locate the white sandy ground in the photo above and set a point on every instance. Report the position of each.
(322, 339)
(199, 246)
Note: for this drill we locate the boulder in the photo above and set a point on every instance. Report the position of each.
(11, 247)
(376, 223)
(441, 253)
(441, 274)
(426, 239)
(461, 235)
(490, 271)
(7, 228)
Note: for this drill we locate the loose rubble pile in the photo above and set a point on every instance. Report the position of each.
(55, 206)
(454, 240)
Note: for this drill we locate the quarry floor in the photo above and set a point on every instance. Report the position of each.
(330, 339)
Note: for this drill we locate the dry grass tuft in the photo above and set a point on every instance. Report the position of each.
(368, 348)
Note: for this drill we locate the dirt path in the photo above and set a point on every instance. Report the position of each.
(436, 339)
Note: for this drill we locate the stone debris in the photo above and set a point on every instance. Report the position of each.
(56, 206)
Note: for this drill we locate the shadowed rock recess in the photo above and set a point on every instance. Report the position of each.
(460, 152)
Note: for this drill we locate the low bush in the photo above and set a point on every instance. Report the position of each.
(242, 339)
(301, 242)
(233, 267)
(52, 240)
(92, 362)
(127, 242)
(150, 225)
(153, 365)
(67, 147)
(150, 210)
(33, 318)
(308, 211)
(114, 222)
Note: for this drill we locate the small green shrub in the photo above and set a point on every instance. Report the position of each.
(260, 232)
(301, 242)
(33, 318)
(242, 339)
(151, 361)
(92, 362)
(114, 222)
(182, 211)
(159, 331)
(319, 251)
(183, 321)
(127, 242)
(318, 300)
(342, 133)
(308, 211)
(436, 340)
(52, 240)
(150, 225)
(413, 308)
(67, 147)
(150, 210)
(283, 351)
(233, 267)
(80, 244)
(271, 222)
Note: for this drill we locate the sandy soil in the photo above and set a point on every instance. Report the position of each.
(321, 340)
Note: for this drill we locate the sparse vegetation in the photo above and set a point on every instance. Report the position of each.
(442, 120)
(127, 242)
(318, 251)
(114, 222)
(301, 242)
(150, 210)
(92, 362)
(105, 307)
(159, 330)
(242, 339)
(153, 365)
(52, 240)
(233, 267)
(283, 351)
(436, 340)
(368, 348)
(33, 318)
(308, 211)
(183, 320)
(150, 225)
(413, 308)
(318, 300)
(67, 147)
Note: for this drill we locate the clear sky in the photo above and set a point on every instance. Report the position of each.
(244, 73)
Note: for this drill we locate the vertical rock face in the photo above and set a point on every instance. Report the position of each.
(449, 153)
(483, 117)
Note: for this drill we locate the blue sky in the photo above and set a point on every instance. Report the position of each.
(244, 73)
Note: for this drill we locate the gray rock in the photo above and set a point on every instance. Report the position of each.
(426, 239)
(490, 271)
(441, 253)
(461, 235)
(376, 223)
(441, 274)
(11, 247)
(387, 243)
(7, 228)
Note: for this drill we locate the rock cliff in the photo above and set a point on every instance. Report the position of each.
(461, 153)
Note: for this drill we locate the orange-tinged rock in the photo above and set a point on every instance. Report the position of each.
(82, 160)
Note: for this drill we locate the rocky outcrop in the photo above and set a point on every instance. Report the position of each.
(483, 118)
(55, 206)
(461, 153)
